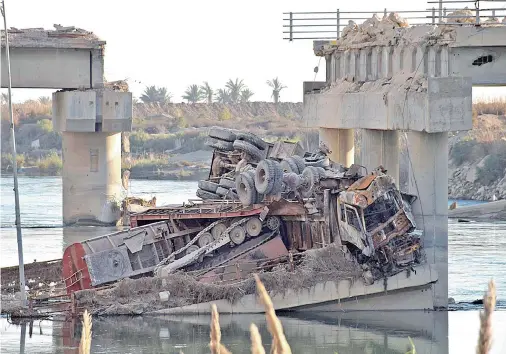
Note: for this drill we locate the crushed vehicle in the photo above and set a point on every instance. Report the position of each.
(260, 202)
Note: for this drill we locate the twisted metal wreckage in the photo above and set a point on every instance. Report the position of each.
(262, 204)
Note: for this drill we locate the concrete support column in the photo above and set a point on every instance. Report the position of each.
(341, 143)
(362, 72)
(91, 176)
(432, 62)
(387, 62)
(381, 147)
(428, 179)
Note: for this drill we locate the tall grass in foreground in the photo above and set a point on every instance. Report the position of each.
(279, 342)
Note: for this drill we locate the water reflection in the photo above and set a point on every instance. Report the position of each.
(358, 332)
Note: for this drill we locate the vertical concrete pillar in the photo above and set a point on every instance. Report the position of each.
(353, 65)
(337, 65)
(422, 60)
(91, 178)
(397, 60)
(387, 62)
(345, 64)
(362, 72)
(332, 68)
(381, 147)
(428, 179)
(341, 143)
(375, 63)
(445, 61)
(432, 62)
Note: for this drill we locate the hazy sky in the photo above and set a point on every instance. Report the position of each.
(178, 43)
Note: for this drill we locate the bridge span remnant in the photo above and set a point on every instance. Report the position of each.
(397, 82)
(89, 114)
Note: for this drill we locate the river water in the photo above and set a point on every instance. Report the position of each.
(477, 253)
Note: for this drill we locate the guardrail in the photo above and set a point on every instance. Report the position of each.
(328, 25)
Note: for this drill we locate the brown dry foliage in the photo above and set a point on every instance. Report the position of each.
(485, 338)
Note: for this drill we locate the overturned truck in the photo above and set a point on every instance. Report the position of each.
(262, 202)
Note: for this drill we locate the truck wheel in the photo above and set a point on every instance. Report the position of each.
(254, 226)
(221, 145)
(288, 165)
(300, 162)
(246, 191)
(311, 178)
(248, 148)
(205, 239)
(205, 195)
(238, 235)
(232, 195)
(273, 223)
(252, 139)
(266, 176)
(218, 230)
(222, 134)
(208, 186)
(227, 183)
(192, 249)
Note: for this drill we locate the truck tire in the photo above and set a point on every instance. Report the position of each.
(301, 163)
(205, 195)
(248, 148)
(289, 165)
(208, 186)
(278, 184)
(220, 145)
(222, 134)
(265, 176)
(246, 191)
(232, 195)
(227, 183)
(321, 172)
(252, 139)
(222, 191)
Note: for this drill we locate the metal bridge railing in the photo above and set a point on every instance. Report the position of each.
(328, 25)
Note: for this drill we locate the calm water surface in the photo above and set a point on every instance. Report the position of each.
(477, 252)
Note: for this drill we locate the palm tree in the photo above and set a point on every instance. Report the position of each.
(246, 95)
(153, 94)
(276, 86)
(207, 91)
(235, 89)
(192, 94)
(223, 96)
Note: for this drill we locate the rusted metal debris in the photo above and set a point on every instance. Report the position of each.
(260, 200)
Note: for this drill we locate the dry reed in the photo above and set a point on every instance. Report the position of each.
(279, 343)
(215, 344)
(485, 338)
(85, 344)
(256, 340)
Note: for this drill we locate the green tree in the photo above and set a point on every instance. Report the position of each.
(154, 94)
(193, 94)
(46, 125)
(207, 92)
(235, 88)
(246, 95)
(276, 86)
(223, 96)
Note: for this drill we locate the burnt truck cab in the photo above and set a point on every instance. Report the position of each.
(372, 214)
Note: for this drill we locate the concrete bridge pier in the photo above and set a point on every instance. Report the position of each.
(91, 177)
(428, 179)
(381, 147)
(91, 122)
(342, 144)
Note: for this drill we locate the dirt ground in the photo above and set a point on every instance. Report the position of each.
(35, 273)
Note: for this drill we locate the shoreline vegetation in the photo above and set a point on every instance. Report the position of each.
(168, 140)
